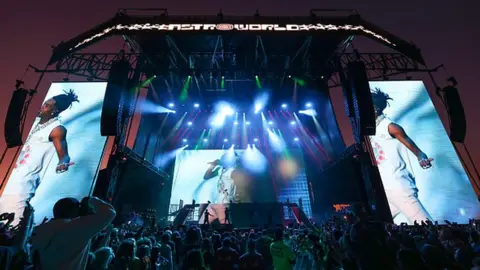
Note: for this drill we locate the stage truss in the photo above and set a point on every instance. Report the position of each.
(96, 66)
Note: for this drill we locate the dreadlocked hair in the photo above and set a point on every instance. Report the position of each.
(65, 101)
(380, 100)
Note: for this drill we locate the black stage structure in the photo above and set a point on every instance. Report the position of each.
(315, 47)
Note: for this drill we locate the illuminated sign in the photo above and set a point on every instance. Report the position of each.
(235, 27)
(341, 207)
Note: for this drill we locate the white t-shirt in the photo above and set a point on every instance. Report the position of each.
(392, 158)
(36, 155)
(225, 186)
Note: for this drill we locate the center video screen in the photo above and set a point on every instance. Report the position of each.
(239, 176)
(421, 172)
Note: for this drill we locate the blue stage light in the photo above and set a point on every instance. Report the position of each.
(248, 122)
(270, 123)
(171, 105)
(296, 139)
(293, 123)
(284, 106)
(308, 105)
(189, 123)
(225, 140)
(196, 105)
(255, 140)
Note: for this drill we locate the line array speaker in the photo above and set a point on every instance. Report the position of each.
(458, 123)
(12, 131)
(116, 87)
(362, 98)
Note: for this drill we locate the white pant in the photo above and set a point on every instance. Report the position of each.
(407, 204)
(14, 203)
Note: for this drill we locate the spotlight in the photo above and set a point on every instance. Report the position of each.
(258, 107)
(196, 105)
(171, 105)
(308, 105)
(205, 140)
(235, 123)
(295, 139)
(184, 140)
(270, 123)
(248, 122)
(227, 111)
(293, 123)
(284, 105)
(255, 140)
(189, 123)
(225, 140)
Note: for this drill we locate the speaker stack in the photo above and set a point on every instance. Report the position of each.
(12, 129)
(458, 123)
(117, 87)
(361, 98)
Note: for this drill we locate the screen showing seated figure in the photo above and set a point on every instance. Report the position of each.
(421, 172)
(62, 152)
(229, 176)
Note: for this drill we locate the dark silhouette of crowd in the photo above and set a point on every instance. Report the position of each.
(81, 236)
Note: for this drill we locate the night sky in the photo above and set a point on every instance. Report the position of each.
(446, 34)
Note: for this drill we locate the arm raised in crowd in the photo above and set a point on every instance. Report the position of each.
(88, 226)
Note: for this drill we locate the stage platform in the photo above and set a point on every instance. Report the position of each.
(242, 215)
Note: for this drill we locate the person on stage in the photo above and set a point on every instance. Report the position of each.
(227, 215)
(206, 216)
(227, 173)
(391, 145)
(47, 139)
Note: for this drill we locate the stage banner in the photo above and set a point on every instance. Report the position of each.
(422, 175)
(62, 152)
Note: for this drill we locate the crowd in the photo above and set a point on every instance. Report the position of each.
(81, 236)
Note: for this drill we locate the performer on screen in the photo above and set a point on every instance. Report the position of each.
(46, 139)
(391, 145)
(225, 169)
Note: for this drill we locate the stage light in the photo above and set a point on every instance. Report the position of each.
(174, 111)
(295, 139)
(284, 105)
(248, 122)
(270, 123)
(227, 110)
(184, 140)
(205, 140)
(258, 107)
(196, 105)
(189, 123)
(308, 105)
(171, 105)
(225, 140)
(293, 123)
(255, 140)
(235, 123)
(309, 112)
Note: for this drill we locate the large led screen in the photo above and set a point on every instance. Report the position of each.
(62, 152)
(421, 172)
(240, 176)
